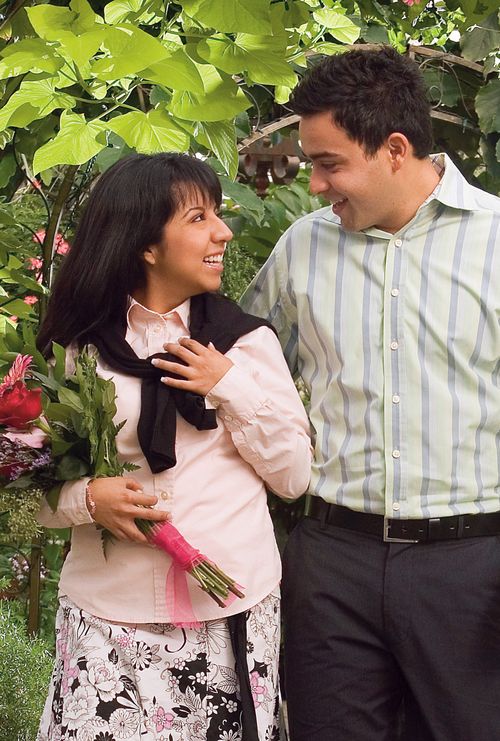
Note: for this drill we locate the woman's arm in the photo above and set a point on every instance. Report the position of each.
(257, 402)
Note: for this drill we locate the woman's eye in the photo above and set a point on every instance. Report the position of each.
(199, 217)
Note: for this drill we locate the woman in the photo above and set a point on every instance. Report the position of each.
(141, 278)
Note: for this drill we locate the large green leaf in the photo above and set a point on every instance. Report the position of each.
(49, 20)
(231, 16)
(150, 132)
(28, 55)
(220, 138)
(479, 41)
(134, 11)
(34, 99)
(261, 56)
(177, 72)
(76, 142)
(339, 25)
(130, 50)
(488, 106)
(223, 99)
(80, 49)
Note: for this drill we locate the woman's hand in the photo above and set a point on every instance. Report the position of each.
(204, 368)
(118, 500)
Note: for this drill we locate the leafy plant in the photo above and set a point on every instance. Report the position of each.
(25, 669)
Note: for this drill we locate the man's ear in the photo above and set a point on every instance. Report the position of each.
(399, 149)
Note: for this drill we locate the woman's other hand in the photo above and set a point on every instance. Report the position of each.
(118, 501)
(205, 366)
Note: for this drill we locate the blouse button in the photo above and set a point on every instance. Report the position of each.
(164, 495)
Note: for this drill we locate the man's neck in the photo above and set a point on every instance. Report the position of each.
(416, 184)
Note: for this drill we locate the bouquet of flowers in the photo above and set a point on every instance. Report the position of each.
(56, 427)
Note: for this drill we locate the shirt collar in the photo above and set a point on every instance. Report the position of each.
(139, 315)
(454, 191)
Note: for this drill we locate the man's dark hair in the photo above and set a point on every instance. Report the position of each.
(371, 94)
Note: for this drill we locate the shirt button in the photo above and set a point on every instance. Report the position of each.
(394, 345)
(164, 495)
(228, 418)
(395, 292)
(395, 399)
(395, 506)
(398, 242)
(396, 453)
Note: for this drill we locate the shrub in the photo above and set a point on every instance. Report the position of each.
(25, 669)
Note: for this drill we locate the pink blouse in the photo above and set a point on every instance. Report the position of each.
(215, 493)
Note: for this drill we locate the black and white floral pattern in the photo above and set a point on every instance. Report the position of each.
(114, 682)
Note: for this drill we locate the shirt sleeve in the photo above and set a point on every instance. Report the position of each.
(270, 295)
(71, 507)
(259, 405)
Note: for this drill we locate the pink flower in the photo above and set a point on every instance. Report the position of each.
(30, 300)
(411, 2)
(61, 245)
(36, 184)
(34, 437)
(34, 263)
(258, 688)
(162, 720)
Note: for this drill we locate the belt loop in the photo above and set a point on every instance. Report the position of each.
(325, 512)
(460, 526)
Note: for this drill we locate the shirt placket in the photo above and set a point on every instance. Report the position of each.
(393, 344)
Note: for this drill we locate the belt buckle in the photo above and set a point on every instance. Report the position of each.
(387, 537)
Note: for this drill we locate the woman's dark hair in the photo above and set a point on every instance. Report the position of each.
(125, 214)
(371, 94)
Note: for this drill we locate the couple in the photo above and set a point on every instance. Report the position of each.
(387, 304)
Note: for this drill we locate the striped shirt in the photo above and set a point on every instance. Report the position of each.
(397, 339)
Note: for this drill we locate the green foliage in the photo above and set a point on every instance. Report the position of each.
(25, 669)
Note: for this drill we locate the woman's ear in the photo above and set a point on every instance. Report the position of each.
(149, 255)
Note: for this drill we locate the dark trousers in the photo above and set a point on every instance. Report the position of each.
(371, 627)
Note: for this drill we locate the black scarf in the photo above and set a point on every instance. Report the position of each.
(213, 318)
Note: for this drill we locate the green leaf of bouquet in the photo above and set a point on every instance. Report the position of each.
(70, 398)
(231, 16)
(177, 72)
(76, 142)
(488, 106)
(261, 56)
(28, 55)
(34, 99)
(130, 50)
(52, 497)
(59, 366)
(245, 196)
(220, 138)
(223, 99)
(150, 132)
(71, 468)
(341, 27)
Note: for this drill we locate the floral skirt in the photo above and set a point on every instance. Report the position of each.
(146, 682)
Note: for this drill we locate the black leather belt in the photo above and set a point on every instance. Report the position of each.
(405, 531)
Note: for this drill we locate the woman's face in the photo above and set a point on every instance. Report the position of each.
(188, 259)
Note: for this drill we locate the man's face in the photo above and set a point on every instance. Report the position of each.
(360, 187)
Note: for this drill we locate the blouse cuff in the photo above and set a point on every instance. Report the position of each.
(238, 396)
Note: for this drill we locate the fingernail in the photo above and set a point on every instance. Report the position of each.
(155, 361)
(211, 344)
(165, 379)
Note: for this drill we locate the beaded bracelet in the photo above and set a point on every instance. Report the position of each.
(91, 505)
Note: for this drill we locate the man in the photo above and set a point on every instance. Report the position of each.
(387, 303)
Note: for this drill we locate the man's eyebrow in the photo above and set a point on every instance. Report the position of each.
(324, 155)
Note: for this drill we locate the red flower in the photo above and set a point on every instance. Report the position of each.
(20, 405)
(61, 245)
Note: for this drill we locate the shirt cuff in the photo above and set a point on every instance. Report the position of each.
(237, 396)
